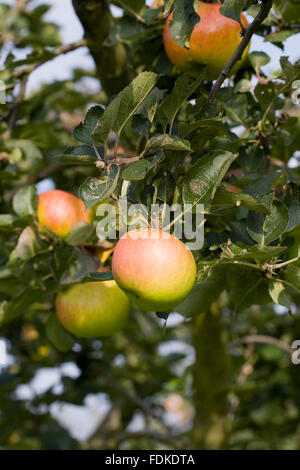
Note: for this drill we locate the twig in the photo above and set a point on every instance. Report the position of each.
(131, 11)
(271, 267)
(63, 49)
(248, 33)
(115, 159)
(261, 339)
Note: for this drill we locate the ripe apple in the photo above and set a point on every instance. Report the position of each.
(58, 211)
(154, 268)
(93, 309)
(212, 43)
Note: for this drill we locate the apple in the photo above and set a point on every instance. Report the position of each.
(93, 309)
(154, 268)
(212, 43)
(58, 211)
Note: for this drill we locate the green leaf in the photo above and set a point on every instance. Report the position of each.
(141, 124)
(291, 274)
(184, 87)
(6, 221)
(79, 265)
(236, 105)
(294, 214)
(25, 201)
(83, 132)
(93, 190)
(273, 354)
(202, 180)
(266, 93)
(258, 59)
(204, 294)
(165, 185)
(212, 126)
(125, 29)
(58, 335)
(136, 171)
(124, 106)
(27, 246)
(183, 21)
(92, 117)
(261, 187)
(80, 155)
(97, 277)
(164, 141)
(80, 234)
(232, 9)
(247, 287)
(243, 86)
(291, 72)
(279, 36)
(134, 5)
(9, 311)
(149, 106)
(264, 253)
(32, 156)
(278, 294)
(224, 197)
(265, 229)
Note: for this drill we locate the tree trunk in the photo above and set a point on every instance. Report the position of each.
(211, 381)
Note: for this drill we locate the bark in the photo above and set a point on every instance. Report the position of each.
(112, 64)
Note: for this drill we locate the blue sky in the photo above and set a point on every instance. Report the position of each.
(63, 14)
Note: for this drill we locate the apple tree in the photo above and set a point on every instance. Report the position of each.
(221, 372)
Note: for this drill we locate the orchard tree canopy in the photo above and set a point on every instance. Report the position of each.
(180, 119)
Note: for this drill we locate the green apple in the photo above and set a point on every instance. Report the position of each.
(93, 309)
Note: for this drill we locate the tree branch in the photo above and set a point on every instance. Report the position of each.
(111, 61)
(63, 49)
(248, 33)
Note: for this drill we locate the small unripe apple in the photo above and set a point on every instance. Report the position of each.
(212, 43)
(58, 211)
(93, 309)
(154, 268)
